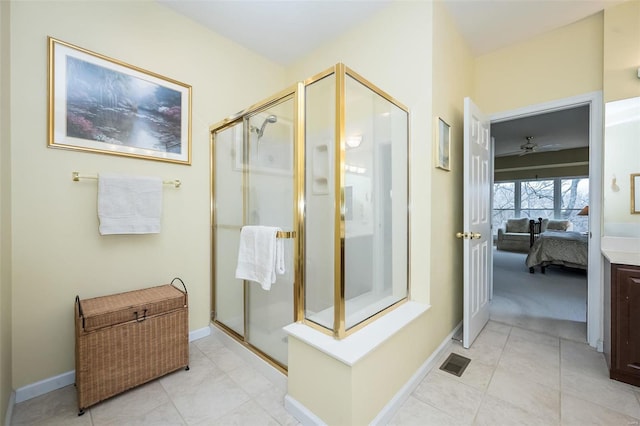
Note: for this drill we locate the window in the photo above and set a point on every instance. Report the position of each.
(537, 198)
(558, 198)
(503, 202)
(574, 196)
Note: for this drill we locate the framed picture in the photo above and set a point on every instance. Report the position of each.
(98, 104)
(443, 136)
(635, 193)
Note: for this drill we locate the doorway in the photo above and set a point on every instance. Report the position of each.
(591, 297)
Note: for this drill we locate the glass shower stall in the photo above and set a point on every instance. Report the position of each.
(327, 162)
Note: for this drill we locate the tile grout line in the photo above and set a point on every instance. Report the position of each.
(184, 421)
(486, 391)
(91, 417)
(501, 357)
(432, 371)
(598, 404)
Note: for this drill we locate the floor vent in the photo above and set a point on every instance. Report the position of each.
(455, 364)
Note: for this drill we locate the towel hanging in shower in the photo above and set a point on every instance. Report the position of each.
(260, 256)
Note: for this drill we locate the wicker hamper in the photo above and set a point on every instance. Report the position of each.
(127, 339)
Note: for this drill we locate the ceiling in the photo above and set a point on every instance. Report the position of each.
(281, 30)
(286, 30)
(553, 131)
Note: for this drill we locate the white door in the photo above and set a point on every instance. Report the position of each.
(476, 233)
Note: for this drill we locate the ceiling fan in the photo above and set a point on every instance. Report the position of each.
(530, 147)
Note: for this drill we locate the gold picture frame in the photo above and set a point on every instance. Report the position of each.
(635, 193)
(443, 143)
(102, 105)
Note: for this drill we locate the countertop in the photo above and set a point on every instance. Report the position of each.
(623, 251)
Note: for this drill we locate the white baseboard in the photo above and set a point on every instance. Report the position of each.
(301, 413)
(386, 414)
(306, 416)
(45, 386)
(199, 333)
(65, 379)
(12, 402)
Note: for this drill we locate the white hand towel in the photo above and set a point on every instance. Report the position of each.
(260, 256)
(129, 204)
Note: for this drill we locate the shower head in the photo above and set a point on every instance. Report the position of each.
(270, 119)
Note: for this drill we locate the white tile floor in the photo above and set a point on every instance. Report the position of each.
(516, 377)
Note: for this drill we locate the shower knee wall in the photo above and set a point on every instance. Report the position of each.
(355, 385)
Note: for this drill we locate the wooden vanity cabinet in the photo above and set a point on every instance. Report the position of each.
(622, 350)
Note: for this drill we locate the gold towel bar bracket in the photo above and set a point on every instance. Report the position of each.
(286, 234)
(75, 176)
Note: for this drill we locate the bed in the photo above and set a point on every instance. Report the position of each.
(566, 248)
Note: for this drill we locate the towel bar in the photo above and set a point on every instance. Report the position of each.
(279, 234)
(75, 176)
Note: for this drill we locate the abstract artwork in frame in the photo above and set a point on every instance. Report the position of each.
(98, 104)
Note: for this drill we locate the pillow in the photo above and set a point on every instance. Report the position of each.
(518, 225)
(545, 223)
(557, 225)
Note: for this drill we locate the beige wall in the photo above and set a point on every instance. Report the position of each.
(320, 383)
(378, 377)
(57, 250)
(395, 50)
(452, 82)
(5, 215)
(622, 51)
(601, 52)
(558, 64)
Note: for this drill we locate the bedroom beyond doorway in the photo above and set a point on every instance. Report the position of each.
(553, 303)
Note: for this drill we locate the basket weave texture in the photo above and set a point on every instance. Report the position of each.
(127, 339)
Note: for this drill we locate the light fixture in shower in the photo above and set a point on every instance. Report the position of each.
(354, 141)
(355, 169)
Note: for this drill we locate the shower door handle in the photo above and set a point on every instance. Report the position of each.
(286, 234)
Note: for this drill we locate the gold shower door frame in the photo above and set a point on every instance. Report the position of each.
(340, 329)
(297, 93)
(292, 93)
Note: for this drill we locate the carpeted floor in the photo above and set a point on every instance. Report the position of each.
(554, 303)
